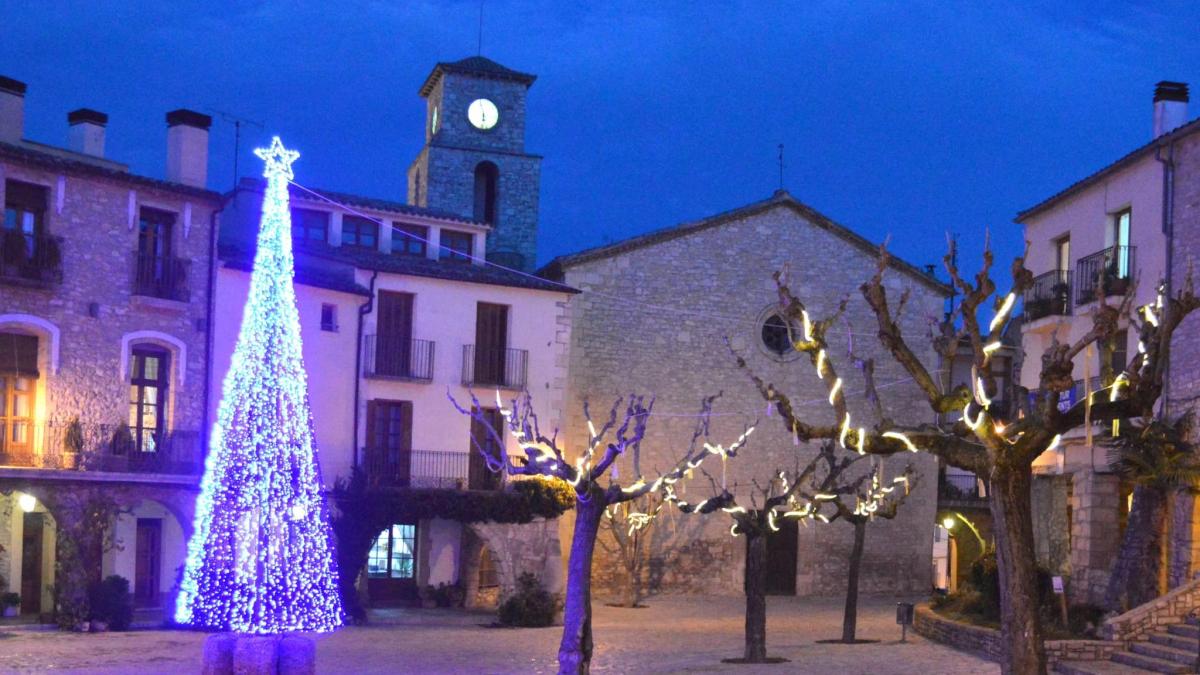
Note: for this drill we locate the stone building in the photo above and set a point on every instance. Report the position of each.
(105, 278)
(653, 317)
(399, 306)
(1131, 221)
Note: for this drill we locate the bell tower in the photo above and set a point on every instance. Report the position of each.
(474, 163)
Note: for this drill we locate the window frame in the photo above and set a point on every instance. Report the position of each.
(307, 227)
(410, 235)
(388, 534)
(329, 318)
(353, 238)
(139, 383)
(448, 253)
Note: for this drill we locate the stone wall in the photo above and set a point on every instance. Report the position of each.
(1137, 623)
(1095, 535)
(654, 320)
(517, 548)
(98, 255)
(1051, 526)
(987, 642)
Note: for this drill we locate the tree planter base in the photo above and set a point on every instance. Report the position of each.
(839, 641)
(769, 660)
(235, 654)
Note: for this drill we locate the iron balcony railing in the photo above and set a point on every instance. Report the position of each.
(1113, 267)
(494, 367)
(389, 357)
(161, 277)
(30, 259)
(100, 447)
(1050, 295)
(448, 469)
(960, 488)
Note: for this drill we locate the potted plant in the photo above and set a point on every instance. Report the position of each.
(11, 602)
(1114, 282)
(72, 444)
(122, 441)
(428, 596)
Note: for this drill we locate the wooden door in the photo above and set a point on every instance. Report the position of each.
(491, 343)
(147, 573)
(393, 352)
(389, 442)
(32, 542)
(781, 558)
(479, 476)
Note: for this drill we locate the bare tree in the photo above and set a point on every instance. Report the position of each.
(542, 456)
(1002, 454)
(632, 526)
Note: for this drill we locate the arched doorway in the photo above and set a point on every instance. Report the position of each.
(149, 549)
(30, 550)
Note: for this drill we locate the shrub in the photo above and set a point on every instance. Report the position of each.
(9, 600)
(73, 439)
(449, 595)
(532, 606)
(112, 603)
(984, 578)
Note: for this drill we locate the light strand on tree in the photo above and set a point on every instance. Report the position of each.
(260, 559)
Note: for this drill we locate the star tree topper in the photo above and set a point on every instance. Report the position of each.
(278, 158)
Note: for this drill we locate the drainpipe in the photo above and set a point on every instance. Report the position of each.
(363, 310)
(214, 224)
(1168, 228)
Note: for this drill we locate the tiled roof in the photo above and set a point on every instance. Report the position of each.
(309, 258)
(305, 193)
(308, 272)
(54, 162)
(475, 65)
(781, 199)
(1143, 151)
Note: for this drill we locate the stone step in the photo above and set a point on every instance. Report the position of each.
(1194, 620)
(1150, 663)
(1162, 637)
(1164, 652)
(1095, 668)
(1184, 629)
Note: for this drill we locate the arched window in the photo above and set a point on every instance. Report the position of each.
(487, 182)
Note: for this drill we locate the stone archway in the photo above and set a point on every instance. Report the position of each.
(515, 549)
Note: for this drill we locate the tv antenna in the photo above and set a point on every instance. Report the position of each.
(479, 44)
(237, 121)
(781, 166)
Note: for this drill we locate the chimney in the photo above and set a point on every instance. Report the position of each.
(187, 147)
(1170, 106)
(12, 110)
(86, 131)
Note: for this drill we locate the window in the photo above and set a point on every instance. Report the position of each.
(149, 369)
(1120, 355)
(360, 232)
(393, 555)
(489, 575)
(1120, 239)
(158, 274)
(487, 180)
(18, 377)
(1062, 254)
(456, 246)
(24, 212)
(410, 240)
(775, 336)
(309, 225)
(389, 441)
(329, 317)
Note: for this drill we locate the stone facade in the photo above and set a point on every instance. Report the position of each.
(653, 319)
(1051, 529)
(443, 174)
(1095, 534)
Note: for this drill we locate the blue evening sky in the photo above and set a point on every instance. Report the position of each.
(908, 118)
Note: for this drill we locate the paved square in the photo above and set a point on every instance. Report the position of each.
(676, 634)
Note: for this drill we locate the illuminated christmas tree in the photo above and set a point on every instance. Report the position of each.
(260, 558)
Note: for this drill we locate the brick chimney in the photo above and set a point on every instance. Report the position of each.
(12, 110)
(1170, 106)
(187, 147)
(85, 131)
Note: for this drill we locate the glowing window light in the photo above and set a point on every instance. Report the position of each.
(260, 559)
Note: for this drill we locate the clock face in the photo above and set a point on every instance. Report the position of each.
(433, 121)
(483, 114)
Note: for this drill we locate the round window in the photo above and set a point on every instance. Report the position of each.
(774, 336)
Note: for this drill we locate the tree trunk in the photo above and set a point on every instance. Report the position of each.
(575, 650)
(633, 586)
(1020, 623)
(1134, 579)
(850, 617)
(756, 596)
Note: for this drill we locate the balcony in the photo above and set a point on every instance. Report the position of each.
(960, 490)
(159, 276)
(444, 469)
(30, 260)
(386, 357)
(1050, 295)
(494, 367)
(1114, 267)
(100, 447)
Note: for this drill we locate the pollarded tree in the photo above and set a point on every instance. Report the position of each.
(820, 491)
(631, 528)
(541, 455)
(1003, 454)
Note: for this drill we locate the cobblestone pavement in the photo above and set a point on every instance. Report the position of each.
(673, 635)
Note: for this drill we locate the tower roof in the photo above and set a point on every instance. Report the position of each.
(475, 65)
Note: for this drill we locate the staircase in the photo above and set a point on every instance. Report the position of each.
(1171, 648)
